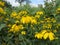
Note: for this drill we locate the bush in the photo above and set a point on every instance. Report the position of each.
(25, 25)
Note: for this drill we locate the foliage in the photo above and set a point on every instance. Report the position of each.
(26, 25)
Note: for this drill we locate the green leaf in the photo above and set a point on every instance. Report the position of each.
(2, 26)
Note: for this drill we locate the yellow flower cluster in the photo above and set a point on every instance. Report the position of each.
(16, 28)
(49, 26)
(2, 3)
(28, 19)
(37, 16)
(18, 15)
(22, 13)
(49, 20)
(26, 24)
(2, 11)
(39, 12)
(44, 34)
(58, 10)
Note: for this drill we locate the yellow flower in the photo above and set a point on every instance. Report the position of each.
(51, 36)
(38, 36)
(22, 12)
(46, 35)
(37, 16)
(58, 25)
(44, 26)
(18, 17)
(17, 21)
(39, 13)
(9, 25)
(47, 20)
(7, 19)
(26, 20)
(21, 27)
(58, 10)
(53, 20)
(13, 14)
(1, 10)
(23, 20)
(2, 3)
(47, 26)
(33, 21)
(15, 28)
(41, 21)
(43, 32)
(23, 32)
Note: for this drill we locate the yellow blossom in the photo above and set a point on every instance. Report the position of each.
(43, 31)
(37, 16)
(51, 36)
(22, 12)
(41, 21)
(33, 21)
(13, 14)
(53, 20)
(7, 19)
(26, 20)
(38, 36)
(47, 26)
(39, 13)
(1, 10)
(44, 26)
(18, 17)
(46, 35)
(2, 3)
(23, 32)
(47, 19)
(58, 10)
(21, 27)
(9, 25)
(58, 25)
(15, 28)
(17, 21)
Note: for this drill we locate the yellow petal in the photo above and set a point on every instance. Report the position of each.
(44, 31)
(38, 36)
(51, 36)
(46, 35)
